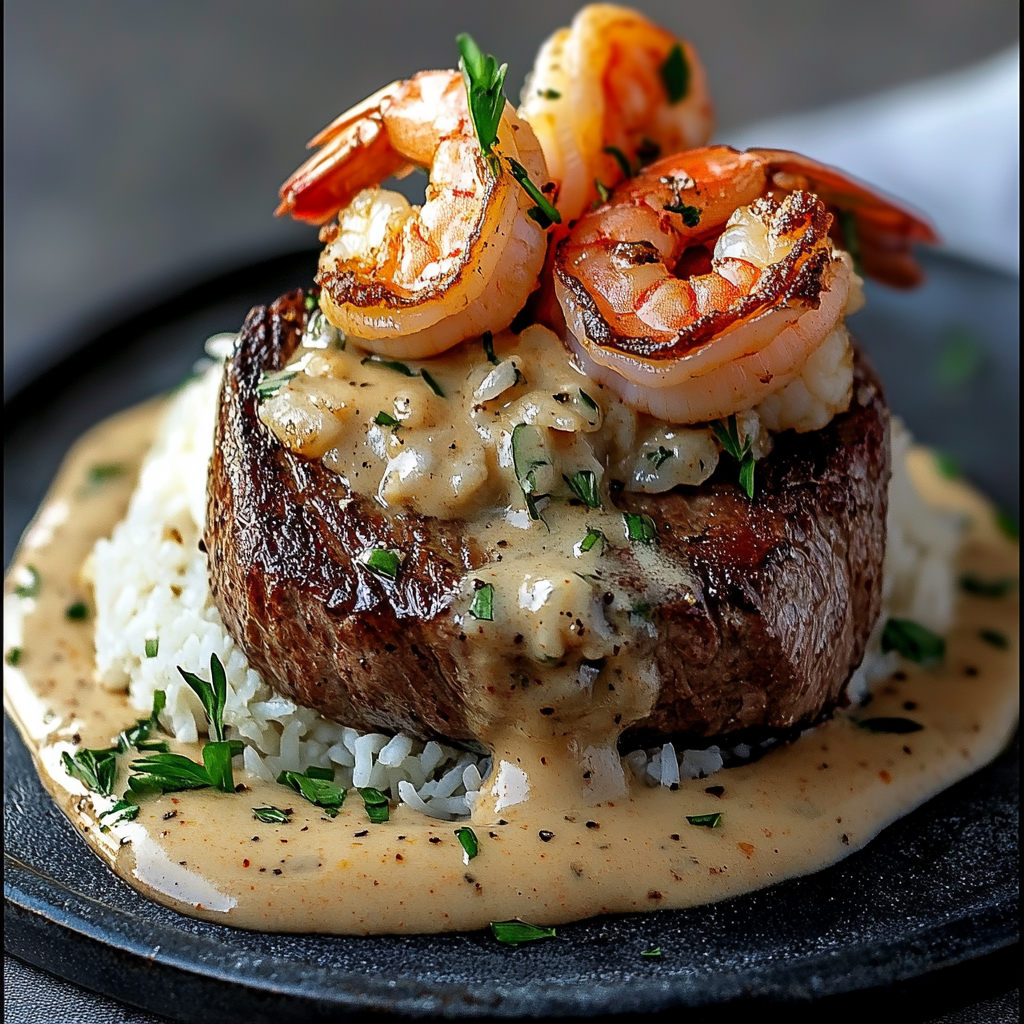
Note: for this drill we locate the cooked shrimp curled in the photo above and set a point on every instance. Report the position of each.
(702, 287)
(408, 281)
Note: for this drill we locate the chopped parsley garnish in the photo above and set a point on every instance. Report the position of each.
(656, 951)
(587, 402)
(995, 638)
(96, 769)
(468, 841)
(543, 213)
(271, 383)
(851, 238)
(388, 364)
(483, 603)
(217, 759)
(960, 359)
(376, 803)
(584, 485)
(139, 733)
(484, 84)
(549, 94)
(707, 820)
(103, 471)
(658, 457)
(675, 74)
(382, 419)
(913, 641)
(620, 159)
(152, 646)
(893, 725)
(948, 466)
(432, 384)
(30, 586)
(729, 438)
(487, 340)
(318, 787)
(168, 773)
(973, 584)
(214, 695)
(13, 656)
(592, 537)
(642, 610)
(124, 809)
(311, 302)
(77, 612)
(1007, 524)
(602, 190)
(640, 528)
(516, 933)
(383, 562)
(528, 455)
(272, 815)
(690, 214)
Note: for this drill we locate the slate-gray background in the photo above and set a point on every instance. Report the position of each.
(144, 142)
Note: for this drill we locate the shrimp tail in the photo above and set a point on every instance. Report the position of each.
(353, 153)
(883, 231)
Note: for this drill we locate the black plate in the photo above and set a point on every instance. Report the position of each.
(886, 927)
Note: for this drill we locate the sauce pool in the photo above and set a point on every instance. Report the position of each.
(798, 809)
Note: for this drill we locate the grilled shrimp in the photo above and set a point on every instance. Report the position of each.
(611, 89)
(706, 284)
(411, 281)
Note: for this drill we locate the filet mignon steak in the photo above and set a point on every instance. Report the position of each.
(790, 582)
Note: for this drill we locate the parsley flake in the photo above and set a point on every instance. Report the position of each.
(973, 584)
(382, 419)
(706, 820)
(516, 933)
(432, 384)
(543, 213)
(729, 438)
(103, 471)
(995, 638)
(620, 159)
(484, 81)
(690, 214)
(584, 485)
(658, 457)
(168, 773)
(592, 538)
(656, 951)
(640, 528)
(95, 769)
(31, 581)
(152, 646)
(271, 383)
(469, 843)
(913, 641)
(376, 803)
(272, 815)
(675, 74)
(383, 562)
(77, 612)
(319, 790)
(13, 656)
(388, 364)
(487, 340)
(483, 603)
(213, 695)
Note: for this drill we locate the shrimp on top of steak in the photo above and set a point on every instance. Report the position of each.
(408, 281)
(709, 282)
(608, 95)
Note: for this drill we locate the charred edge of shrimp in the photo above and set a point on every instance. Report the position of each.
(349, 287)
(797, 281)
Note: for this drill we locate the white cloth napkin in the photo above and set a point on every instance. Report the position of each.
(947, 146)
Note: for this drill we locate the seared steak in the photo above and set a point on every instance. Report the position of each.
(788, 585)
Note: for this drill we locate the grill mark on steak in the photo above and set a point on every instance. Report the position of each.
(786, 588)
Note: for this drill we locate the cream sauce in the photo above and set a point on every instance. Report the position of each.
(548, 853)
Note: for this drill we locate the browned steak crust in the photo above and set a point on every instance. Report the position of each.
(788, 585)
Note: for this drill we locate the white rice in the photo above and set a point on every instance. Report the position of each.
(151, 585)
